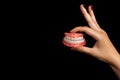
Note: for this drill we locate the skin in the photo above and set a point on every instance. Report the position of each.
(103, 49)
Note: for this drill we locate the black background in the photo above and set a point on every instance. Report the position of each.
(35, 39)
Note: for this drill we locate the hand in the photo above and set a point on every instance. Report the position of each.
(103, 49)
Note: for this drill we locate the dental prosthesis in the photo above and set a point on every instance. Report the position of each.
(74, 39)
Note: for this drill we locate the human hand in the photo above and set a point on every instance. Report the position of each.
(103, 48)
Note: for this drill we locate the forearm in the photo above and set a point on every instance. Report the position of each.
(116, 66)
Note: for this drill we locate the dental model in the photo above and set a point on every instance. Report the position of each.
(74, 39)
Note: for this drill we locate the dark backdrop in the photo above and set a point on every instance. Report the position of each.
(36, 37)
(66, 64)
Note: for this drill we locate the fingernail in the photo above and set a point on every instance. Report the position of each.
(91, 7)
(83, 5)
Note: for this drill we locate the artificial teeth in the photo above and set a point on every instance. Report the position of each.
(73, 39)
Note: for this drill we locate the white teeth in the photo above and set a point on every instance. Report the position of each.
(73, 40)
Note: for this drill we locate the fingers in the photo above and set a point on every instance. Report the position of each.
(90, 10)
(89, 16)
(83, 49)
(87, 30)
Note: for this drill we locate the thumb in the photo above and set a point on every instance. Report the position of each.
(83, 49)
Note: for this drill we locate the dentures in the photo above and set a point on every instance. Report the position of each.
(74, 40)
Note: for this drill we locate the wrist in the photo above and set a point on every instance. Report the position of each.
(115, 62)
(116, 66)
